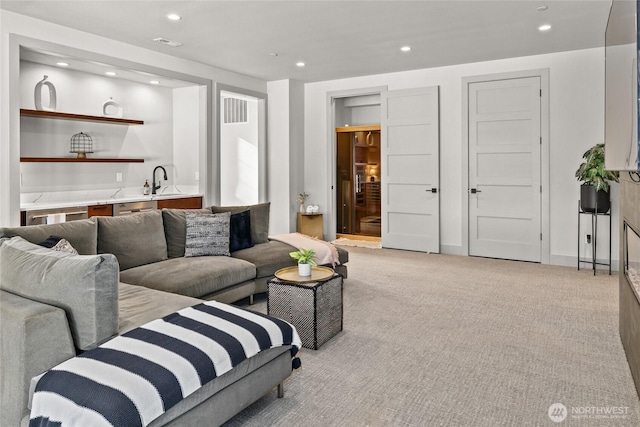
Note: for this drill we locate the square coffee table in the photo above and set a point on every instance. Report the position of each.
(313, 307)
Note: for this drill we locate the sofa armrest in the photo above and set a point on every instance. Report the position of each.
(34, 337)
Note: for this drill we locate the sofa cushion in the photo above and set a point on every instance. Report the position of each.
(274, 255)
(134, 239)
(240, 231)
(84, 286)
(267, 257)
(140, 305)
(82, 234)
(207, 234)
(194, 277)
(259, 219)
(175, 229)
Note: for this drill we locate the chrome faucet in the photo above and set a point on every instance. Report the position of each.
(154, 187)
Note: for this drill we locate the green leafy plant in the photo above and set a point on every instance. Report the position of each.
(304, 256)
(592, 171)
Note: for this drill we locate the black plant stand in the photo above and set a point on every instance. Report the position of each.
(594, 237)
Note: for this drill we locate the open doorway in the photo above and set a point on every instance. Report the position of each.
(242, 149)
(358, 181)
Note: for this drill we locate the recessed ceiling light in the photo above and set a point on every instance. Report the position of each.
(542, 8)
(405, 48)
(300, 64)
(154, 82)
(62, 64)
(111, 73)
(545, 27)
(174, 17)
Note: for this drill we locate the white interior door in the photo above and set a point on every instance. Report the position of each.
(410, 170)
(505, 169)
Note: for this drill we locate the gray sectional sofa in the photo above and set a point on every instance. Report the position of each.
(131, 270)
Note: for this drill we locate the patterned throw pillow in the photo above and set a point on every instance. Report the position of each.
(207, 234)
(64, 246)
(59, 244)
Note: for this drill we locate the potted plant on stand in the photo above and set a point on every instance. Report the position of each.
(594, 191)
(305, 260)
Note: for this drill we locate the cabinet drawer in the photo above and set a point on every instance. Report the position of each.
(181, 203)
(100, 210)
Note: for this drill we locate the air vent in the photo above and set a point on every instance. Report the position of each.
(235, 110)
(167, 42)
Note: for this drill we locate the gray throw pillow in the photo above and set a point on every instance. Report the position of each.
(175, 229)
(84, 286)
(259, 219)
(134, 239)
(207, 234)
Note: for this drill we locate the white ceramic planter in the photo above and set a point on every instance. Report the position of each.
(304, 270)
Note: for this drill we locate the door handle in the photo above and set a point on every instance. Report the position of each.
(433, 190)
(474, 191)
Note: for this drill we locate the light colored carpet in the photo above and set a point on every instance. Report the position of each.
(439, 340)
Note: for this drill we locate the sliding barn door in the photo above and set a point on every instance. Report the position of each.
(410, 170)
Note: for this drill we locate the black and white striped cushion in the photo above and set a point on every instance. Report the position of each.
(136, 377)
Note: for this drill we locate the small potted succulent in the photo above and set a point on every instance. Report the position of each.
(305, 260)
(595, 188)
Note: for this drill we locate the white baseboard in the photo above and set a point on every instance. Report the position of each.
(572, 261)
(451, 250)
(562, 260)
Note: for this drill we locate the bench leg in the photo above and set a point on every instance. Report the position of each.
(251, 299)
(280, 390)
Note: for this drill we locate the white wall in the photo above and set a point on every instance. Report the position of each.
(83, 93)
(186, 136)
(576, 123)
(17, 30)
(285, 153)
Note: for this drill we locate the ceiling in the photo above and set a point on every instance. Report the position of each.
(335, 39)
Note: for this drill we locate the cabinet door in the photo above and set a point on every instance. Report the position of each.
(181, 203)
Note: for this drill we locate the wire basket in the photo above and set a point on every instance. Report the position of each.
(82, 144)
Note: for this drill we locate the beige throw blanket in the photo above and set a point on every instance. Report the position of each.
(326, 253)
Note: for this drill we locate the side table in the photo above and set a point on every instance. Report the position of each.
(314, 308)
(310, 224)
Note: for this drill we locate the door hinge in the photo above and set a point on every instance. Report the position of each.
(540, 93)
(541, 189)
(540, 236)
(540, 140)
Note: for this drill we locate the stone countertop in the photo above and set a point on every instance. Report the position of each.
(50, 201)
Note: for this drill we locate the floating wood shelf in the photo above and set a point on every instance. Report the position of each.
(76, 160)
(70, 116)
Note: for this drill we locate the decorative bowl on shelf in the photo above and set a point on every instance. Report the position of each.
(111, 108)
